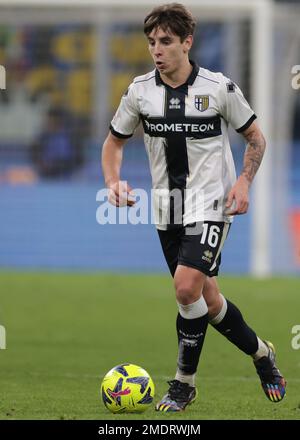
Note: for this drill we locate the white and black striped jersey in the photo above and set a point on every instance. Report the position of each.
(186, 137)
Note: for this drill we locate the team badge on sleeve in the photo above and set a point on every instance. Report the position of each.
(231, 87)
(201, 102)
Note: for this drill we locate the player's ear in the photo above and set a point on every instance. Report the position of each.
(187, 43)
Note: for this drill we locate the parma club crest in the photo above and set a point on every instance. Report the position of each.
(201, 102)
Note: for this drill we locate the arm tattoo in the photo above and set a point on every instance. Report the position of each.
(254, 153)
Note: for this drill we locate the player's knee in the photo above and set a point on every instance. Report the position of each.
(186, 293)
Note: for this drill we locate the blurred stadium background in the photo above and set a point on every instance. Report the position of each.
(67, 64)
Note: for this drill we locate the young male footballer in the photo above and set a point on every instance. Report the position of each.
(185, 111)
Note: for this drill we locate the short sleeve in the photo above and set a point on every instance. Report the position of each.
(234, 107)
(127, 116)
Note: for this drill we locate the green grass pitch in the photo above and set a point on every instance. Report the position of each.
(65, 331)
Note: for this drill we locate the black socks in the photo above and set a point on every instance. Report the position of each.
(235, 329)
(191, 334)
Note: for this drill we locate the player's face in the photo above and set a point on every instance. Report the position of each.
(167, 51)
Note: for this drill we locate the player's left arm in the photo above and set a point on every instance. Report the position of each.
(238, 197)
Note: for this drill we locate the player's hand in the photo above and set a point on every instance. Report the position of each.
(121, 194)
(238, 197)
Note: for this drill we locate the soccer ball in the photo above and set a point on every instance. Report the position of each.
(127, 388)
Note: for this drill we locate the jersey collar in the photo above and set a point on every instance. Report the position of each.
(189, 81)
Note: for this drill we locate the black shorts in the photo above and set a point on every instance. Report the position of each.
(200, 250)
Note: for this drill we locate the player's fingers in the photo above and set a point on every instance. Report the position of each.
(128, 188)
(240, 208)
(131, 199)
(126, 196)
(231, 204)
(229, 199)
(123, 187)
(121, 194)
(239, 205)
(118, 188)
(113, 197)
(245, 207)
(124, 199)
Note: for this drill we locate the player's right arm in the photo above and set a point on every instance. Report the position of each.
(112, 154)
(122, 127)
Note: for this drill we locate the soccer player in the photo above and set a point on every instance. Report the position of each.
(185, 111)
